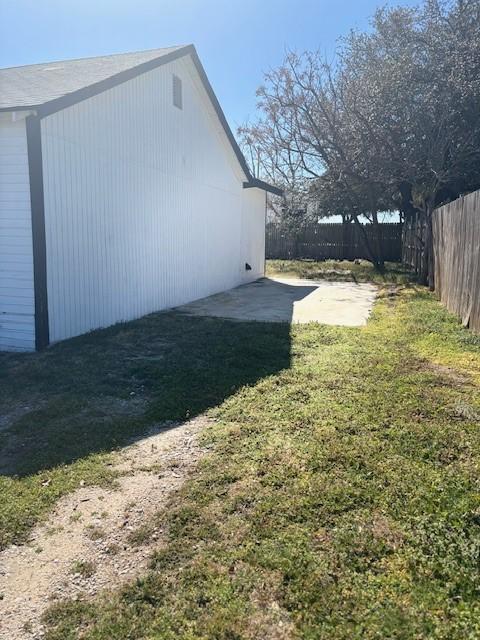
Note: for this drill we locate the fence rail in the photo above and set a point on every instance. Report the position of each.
(333, 241)
(456, 245)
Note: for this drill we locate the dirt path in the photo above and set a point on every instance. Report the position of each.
(85, 546)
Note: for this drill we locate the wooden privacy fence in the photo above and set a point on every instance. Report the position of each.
(335, 241)
(456, 245)
(413, 237)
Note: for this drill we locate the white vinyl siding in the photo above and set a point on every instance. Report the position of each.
(17, 313)
(253, 232)
(143, 204)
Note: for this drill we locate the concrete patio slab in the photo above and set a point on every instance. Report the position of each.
(290, 300)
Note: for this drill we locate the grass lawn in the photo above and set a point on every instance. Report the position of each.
(340, 498)
(343, 270)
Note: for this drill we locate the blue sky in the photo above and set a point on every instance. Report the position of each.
(237, 40)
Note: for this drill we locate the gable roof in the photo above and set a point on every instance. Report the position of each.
(33, 85)
(50, 87)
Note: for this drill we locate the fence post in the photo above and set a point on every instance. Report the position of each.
(346, 243)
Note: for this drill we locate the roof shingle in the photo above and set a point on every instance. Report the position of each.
(36, 84)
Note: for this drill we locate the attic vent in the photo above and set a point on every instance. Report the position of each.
(177, 92)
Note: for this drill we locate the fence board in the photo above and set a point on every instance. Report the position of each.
(456, 243)
(413, 239)
(335, 241)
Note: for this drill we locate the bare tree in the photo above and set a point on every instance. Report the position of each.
(272, 163)
(307, 132)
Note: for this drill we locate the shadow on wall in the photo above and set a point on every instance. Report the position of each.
(101, 391)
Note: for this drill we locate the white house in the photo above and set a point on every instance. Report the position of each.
(122, 192)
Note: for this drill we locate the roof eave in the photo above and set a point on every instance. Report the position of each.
(265, 186)
(32, 107)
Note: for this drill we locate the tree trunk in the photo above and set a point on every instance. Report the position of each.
(374, 259)
(346, 252)
(378, 242)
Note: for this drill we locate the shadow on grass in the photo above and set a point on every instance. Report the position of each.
(100, 391)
